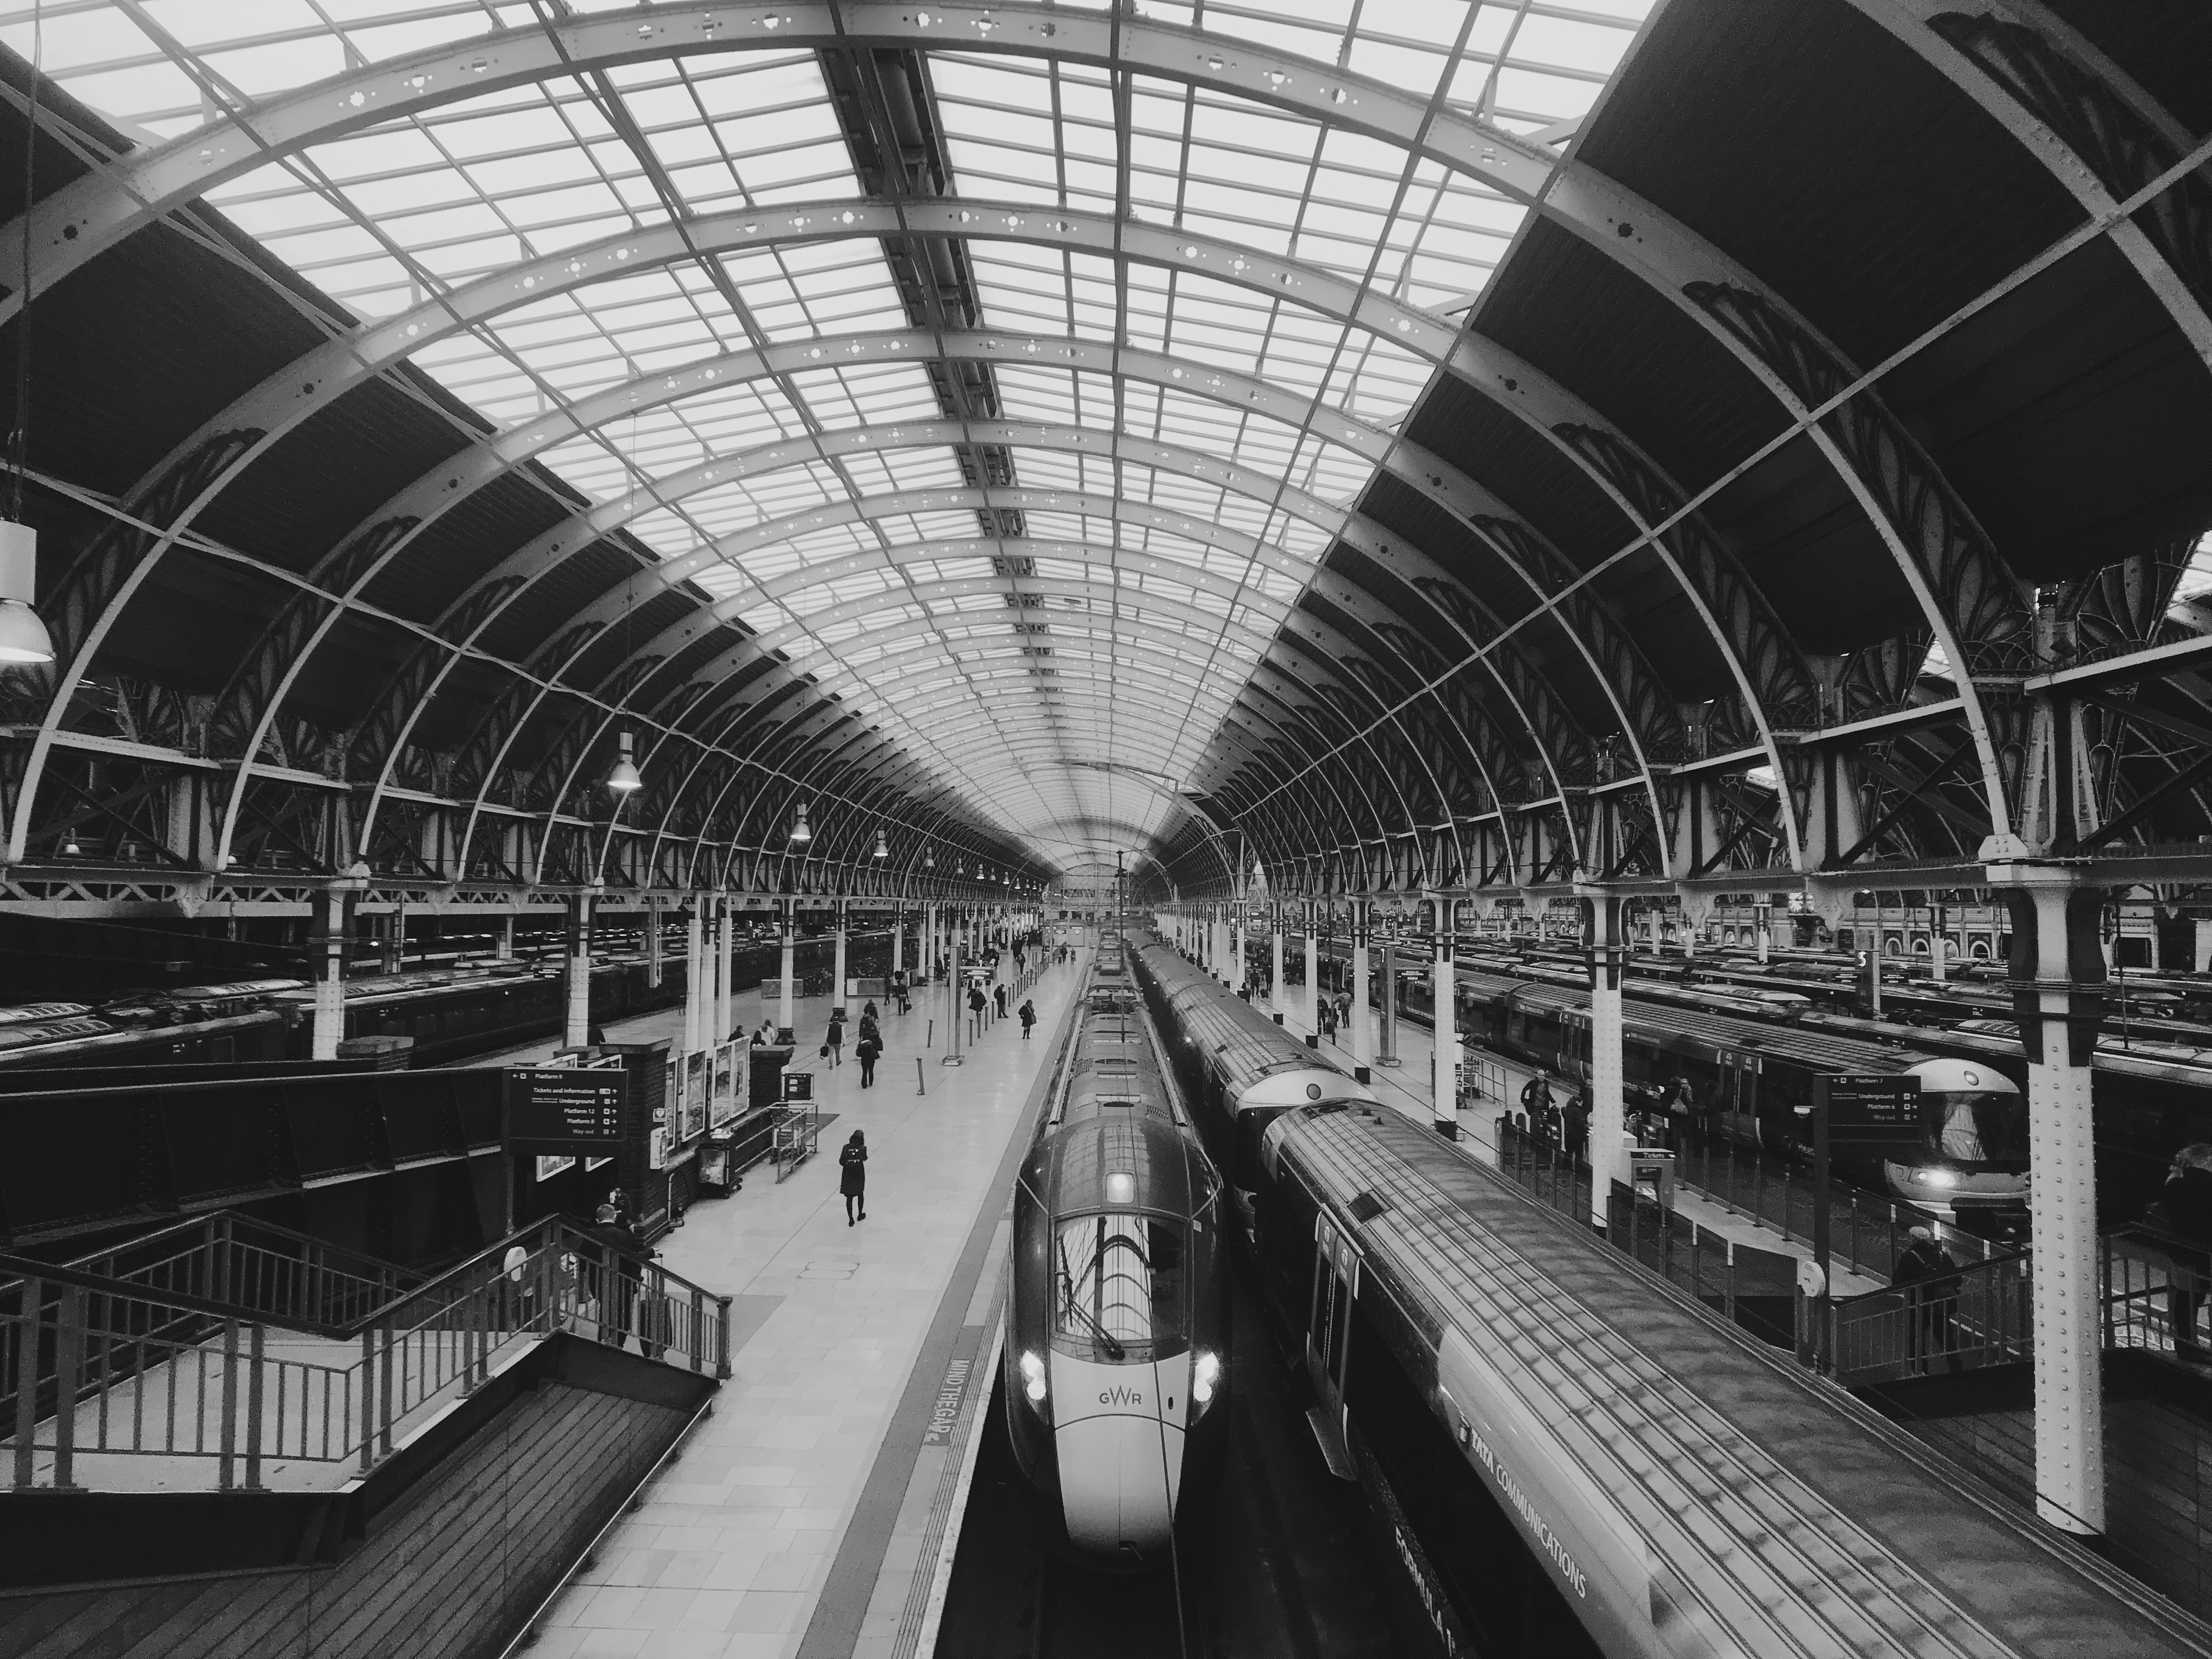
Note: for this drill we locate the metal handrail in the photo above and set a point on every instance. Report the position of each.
(101, 1365)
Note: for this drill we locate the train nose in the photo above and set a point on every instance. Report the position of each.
(1119, 1433)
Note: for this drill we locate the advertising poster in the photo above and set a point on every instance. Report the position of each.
(550, 1167)
(696, 1069)
(729, 1083)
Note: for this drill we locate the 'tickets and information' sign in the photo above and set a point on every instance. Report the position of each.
(575, 1109)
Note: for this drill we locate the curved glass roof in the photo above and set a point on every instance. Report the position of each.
(1051, 577)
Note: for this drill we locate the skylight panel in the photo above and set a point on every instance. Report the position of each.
(471, 187)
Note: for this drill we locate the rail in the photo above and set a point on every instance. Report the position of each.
(1866, 1231)
(254, 1266)
(1753, 1287)
(2152, 1290)
(94, 1366)
(2155, 1288)
(1976, 1315)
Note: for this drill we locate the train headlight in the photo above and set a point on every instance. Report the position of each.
(1205, 1377)
(1936, 1177)
(1033, 1378)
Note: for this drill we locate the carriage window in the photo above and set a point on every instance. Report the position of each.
(1120, 1285)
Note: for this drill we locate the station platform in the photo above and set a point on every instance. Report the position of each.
(803, 1517)
(1408, 1087)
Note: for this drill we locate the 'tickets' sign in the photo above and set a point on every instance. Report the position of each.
(572, 1109)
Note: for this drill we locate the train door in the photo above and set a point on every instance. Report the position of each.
(1328, 1336)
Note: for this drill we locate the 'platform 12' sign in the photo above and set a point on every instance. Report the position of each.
(567, 1107)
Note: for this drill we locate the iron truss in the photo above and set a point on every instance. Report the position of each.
(1023, 432)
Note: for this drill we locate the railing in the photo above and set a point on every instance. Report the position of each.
(2155, 1288)
(1756, 1288)
(91, 1365)
(255, 1266)
(1866, 1231)
(1981, 1314)
(1547, 1170)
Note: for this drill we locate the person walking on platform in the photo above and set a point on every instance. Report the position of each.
(865, 1051)
(1929, 1281)
(833, 1050)
(2183, 1212)
(853, 1177)
(869, 1027)
(1577, 1129)
(999, 996)
(1029, 1017)
(975, 1006)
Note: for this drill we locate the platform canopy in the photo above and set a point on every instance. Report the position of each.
(1400, 444)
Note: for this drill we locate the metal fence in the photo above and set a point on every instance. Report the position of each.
(2156, 1290)
(1866, 1231)
(256, 1267)
(1980, 1314)
(1756, 1288)
(1545, 1168)
(94, 1365)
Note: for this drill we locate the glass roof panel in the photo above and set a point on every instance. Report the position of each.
(978, 545)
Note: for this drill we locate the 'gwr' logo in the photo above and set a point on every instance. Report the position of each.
(1119, 1395)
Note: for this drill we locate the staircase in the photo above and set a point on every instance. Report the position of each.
(204, 1461)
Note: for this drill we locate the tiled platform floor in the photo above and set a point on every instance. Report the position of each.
(730, 1551)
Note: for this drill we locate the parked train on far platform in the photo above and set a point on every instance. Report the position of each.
(1753, 1082)
(451, 1012)
(1115, 1357)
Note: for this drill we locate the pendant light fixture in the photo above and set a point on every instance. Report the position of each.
(929, 860)
(801, 831)
(883, 846)
(624, 779)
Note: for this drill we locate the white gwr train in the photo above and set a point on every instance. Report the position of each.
(1115, 1366)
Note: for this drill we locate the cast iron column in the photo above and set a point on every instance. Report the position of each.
(1443, 1076)
(1604, 952)
(2057, 991)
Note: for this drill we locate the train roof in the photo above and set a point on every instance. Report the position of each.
(1169, 1172)
(1811, 1046)
(1244, 1044)
(1754, 1508)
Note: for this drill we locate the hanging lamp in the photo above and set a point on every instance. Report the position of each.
(624, 779)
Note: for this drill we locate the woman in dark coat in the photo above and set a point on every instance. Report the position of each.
(853, 1177)
(865, 1051)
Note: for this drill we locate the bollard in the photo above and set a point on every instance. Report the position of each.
(921, 1083)
(931, 1041)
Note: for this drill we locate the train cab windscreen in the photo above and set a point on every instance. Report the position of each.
(1120, 1286)
(1974, 1127)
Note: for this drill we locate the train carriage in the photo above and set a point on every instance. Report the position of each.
(1116, 1343)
